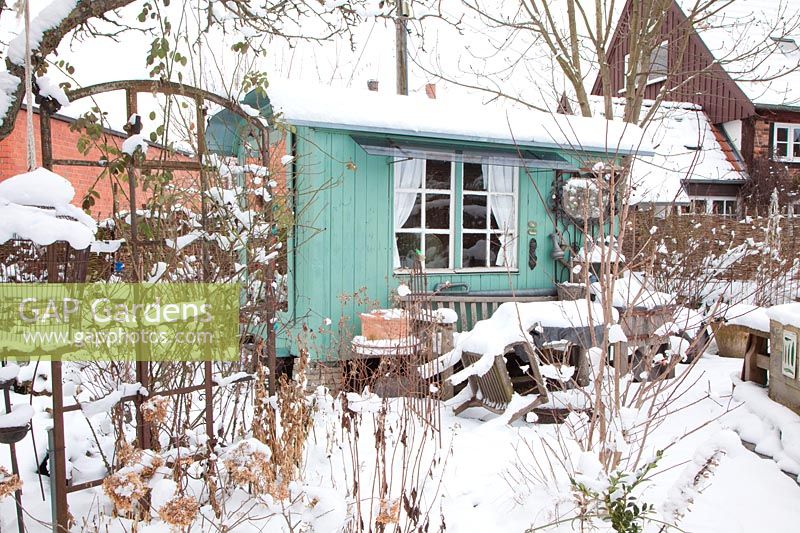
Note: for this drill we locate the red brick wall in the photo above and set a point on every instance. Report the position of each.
(14, 159)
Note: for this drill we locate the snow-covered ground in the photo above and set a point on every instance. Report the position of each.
(481, 474)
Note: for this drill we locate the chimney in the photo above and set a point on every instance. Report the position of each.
(372, 85)
(430, 90)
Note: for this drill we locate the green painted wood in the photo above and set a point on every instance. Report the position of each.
(344, 238)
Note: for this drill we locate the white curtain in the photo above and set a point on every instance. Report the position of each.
(408, 174)
(501, 179)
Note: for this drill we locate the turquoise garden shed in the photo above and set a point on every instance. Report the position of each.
(377, 177)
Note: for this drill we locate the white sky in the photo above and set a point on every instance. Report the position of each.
(468, 54)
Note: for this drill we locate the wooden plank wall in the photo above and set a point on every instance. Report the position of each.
(345, 232)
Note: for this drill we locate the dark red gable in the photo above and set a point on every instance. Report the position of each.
(714, 90)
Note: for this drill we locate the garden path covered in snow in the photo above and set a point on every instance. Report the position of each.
(481, 474)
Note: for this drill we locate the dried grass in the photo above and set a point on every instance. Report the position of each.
(293, 416)
(248, 466)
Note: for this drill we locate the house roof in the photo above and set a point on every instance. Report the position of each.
(451, 118)
(685, 148)
(770, 29)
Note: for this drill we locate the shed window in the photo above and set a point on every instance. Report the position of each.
(786, 142)
(789, 364)
(457, 215)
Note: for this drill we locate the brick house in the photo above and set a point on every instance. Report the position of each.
(752, 103)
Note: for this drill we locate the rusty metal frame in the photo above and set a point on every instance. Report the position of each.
(132, 88)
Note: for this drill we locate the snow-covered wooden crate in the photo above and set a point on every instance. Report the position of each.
(784, 374)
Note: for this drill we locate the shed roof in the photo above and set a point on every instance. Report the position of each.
(452, 118)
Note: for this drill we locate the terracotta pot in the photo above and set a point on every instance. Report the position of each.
(384, 324)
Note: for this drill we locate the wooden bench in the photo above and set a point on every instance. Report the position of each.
(473, 308)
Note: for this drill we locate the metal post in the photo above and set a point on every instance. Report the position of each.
(14, 465)
(200, 111)
(269, 277)
(58, 467)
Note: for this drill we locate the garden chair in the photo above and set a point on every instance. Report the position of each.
(494, 390)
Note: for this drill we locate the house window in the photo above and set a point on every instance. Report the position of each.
(699, 207)
(723, 207)
(659, 63)
(714, 206)
(657, 67)
(423, 214)
(489, 216)
(466, 225)
(787, 142)
(789, 363)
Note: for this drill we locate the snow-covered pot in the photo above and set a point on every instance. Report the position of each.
(641, 323)
(16, 424)
(384, 324)
(731, 340)
(571, 291)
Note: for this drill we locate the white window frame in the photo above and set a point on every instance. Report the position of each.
(422, 231)
(791, 143)
(488, 231)
(709, 200)
(789, 356)
(454, 247)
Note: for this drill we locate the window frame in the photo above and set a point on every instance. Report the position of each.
(488, 231)
(791, 144)
(422, 231)
(456, 229)
(709, 205)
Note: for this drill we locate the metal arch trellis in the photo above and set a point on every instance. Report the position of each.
(132, 88)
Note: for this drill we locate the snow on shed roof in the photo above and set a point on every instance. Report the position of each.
(684, 147)
(452, 118)
(757, 42)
